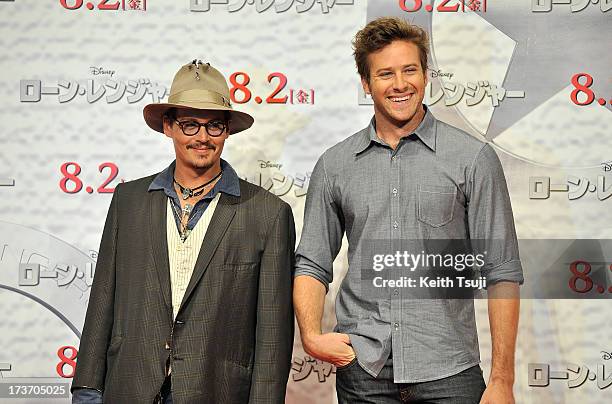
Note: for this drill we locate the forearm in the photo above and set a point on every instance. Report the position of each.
(503, 319)
(308, 300)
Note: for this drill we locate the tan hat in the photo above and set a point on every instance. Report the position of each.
(197, 86)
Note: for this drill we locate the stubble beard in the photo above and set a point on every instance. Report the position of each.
(203, 163)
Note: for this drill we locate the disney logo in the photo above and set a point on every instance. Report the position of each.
(607, 165)
(606, 355)
(439, 73)
(268, 164)
(97, 71)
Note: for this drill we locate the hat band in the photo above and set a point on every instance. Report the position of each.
(199, 96)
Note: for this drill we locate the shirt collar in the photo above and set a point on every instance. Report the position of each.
(229, 183)
(426, 131)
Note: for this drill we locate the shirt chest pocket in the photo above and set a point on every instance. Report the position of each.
(436, 204)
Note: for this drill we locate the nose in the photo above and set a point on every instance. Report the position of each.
(399, 84)
(202, 134)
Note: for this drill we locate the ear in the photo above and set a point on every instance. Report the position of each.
(365, 85)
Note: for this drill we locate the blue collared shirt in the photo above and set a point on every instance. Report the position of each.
(229, 183)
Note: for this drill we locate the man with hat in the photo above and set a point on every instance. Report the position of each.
(191, 299)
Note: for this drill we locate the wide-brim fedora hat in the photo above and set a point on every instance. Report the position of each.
(197, 86)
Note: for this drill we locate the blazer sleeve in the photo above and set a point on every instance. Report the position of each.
(91, 360)
(275, 322)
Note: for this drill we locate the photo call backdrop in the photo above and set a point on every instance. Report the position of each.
(532, 77)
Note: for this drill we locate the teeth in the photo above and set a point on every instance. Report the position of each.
(400, 99)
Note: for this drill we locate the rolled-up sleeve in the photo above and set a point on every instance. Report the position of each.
(323, 229)
(490, 219)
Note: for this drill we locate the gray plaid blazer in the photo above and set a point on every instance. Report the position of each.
(232, 338)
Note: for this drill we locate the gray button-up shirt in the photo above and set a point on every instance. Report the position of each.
(439, 183)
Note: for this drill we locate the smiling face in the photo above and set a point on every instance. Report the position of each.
(397, 84)
(201, 151)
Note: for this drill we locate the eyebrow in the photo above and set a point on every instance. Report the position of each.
(192, 118)
(390, 68)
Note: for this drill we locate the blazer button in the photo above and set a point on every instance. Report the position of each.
(179, 322)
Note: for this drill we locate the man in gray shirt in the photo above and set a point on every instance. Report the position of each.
(406, 176)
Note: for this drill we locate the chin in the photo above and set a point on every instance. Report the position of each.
(203, 164)
(403, 117)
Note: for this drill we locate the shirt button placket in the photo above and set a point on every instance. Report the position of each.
(394, 191)
(395, 298)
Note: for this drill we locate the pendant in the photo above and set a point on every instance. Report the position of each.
(186, 193)
(185, 234)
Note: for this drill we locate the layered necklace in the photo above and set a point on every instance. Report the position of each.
(187, 193)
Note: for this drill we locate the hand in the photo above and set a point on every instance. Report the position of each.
(332, 347)
(498, 392)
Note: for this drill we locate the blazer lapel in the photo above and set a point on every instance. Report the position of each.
(159, 242)
(221, 219)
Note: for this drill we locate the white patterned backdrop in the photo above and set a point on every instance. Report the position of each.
(74, 83)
